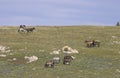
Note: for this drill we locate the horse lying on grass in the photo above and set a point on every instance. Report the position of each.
(52, 62)
(49, 64)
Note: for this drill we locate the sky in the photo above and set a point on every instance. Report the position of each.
(59, 12)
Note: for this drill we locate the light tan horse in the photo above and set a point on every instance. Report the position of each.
(92, 43)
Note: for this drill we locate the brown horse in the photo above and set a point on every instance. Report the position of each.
(49, 64)
(67, 60)
(29, 29)
(89, 43)
(92, 43)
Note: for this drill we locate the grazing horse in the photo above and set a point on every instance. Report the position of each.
(92, 43)
(67, 59)
(89, 43)
(49, 64)
(29, 29)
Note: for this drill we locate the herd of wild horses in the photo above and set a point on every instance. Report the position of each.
(67, 59)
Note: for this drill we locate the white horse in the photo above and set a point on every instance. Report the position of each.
(22, 28)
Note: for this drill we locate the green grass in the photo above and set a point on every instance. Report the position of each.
(102, 62)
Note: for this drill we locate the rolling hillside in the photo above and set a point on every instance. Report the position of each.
(95, 62)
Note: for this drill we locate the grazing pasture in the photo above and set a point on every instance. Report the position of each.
(94, 62)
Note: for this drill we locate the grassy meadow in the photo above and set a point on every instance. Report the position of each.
(96, 62)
